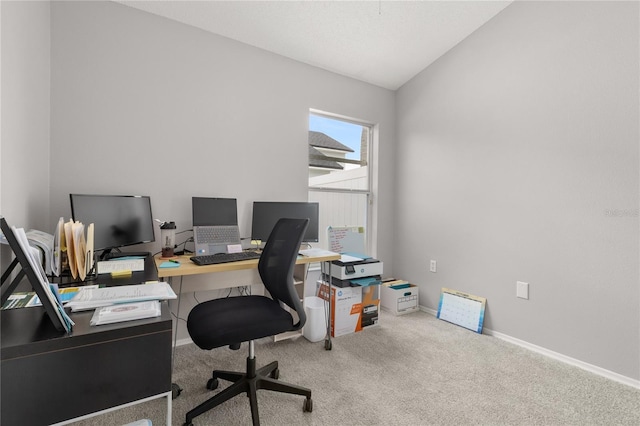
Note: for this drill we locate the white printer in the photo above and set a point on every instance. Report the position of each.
(350, 267)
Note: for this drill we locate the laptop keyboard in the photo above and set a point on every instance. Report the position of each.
(212, 259)
(217, 234)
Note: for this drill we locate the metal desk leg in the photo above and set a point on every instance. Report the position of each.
(327, 341)
(176, 390)
(169, 398)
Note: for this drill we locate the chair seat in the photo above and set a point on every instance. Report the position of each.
(232, 320)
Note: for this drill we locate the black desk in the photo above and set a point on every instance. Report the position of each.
(49, 377)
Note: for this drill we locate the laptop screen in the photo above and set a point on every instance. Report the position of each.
(214, 211)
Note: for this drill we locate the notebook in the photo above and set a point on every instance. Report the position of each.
(215, 224)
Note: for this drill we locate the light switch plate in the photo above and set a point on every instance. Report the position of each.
(522, 290)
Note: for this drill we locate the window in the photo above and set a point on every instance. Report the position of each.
(339, 172)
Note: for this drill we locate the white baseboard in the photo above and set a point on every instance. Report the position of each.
(555, 355)
(428, 310)
(182, 342)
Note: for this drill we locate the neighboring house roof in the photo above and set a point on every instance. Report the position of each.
(326, 164)
(321, 140)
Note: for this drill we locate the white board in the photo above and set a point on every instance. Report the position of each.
(347, 239)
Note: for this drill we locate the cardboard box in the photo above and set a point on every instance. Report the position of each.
(346, 308)
(399, 297)
(370, 304)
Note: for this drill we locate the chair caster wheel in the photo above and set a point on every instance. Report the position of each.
(275, 374)
(212, 384)
(327, 345)
(175, 390)
(307, 407)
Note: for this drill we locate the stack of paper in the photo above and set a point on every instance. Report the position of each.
(345, 258)
(46, 255)
(53, 300)
(125, 312)
(316, 252)
(44, 242)
(107, 296)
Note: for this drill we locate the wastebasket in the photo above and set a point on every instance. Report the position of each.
(315, 329)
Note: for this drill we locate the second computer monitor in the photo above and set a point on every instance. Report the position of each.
(267, 213)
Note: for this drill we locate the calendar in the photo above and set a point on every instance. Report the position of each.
(462, 309)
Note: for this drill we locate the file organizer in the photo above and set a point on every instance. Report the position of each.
(52, 307)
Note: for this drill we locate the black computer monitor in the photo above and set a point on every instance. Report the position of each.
(266, 214)
(118, 220)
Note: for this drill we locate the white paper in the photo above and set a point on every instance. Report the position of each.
(58, 235)
(44, 242)
(108, 266)
(106, 296)
(316, 252)
(89, 259)
(125, 312)
(21, 237)
(344, 258)
(234, 248)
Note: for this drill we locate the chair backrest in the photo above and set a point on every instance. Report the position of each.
(278, 260)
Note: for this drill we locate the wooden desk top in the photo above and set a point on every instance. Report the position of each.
(187, 267)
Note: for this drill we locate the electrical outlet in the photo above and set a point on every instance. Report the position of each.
(433, 266)
(522, 290)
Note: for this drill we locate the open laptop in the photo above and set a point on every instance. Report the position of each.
(215, 224)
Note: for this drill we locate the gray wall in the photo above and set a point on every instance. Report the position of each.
(24, 143)
(518, 160)
(145, 105)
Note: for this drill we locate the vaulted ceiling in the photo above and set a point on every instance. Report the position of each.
(384, 43)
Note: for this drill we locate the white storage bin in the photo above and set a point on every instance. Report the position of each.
(315, 329)
(399, 301)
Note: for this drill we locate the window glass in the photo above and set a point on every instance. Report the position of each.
(338, 153)
(339, 163)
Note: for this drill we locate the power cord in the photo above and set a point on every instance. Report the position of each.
(184, 246)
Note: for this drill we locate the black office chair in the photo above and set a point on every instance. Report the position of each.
(233, 320)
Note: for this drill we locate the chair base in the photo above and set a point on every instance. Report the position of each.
(249, 382)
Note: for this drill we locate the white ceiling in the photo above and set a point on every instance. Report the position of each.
(384, 43)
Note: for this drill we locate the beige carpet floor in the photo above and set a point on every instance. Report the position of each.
(407, 370)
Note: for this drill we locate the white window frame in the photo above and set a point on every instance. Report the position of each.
(371, 167)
